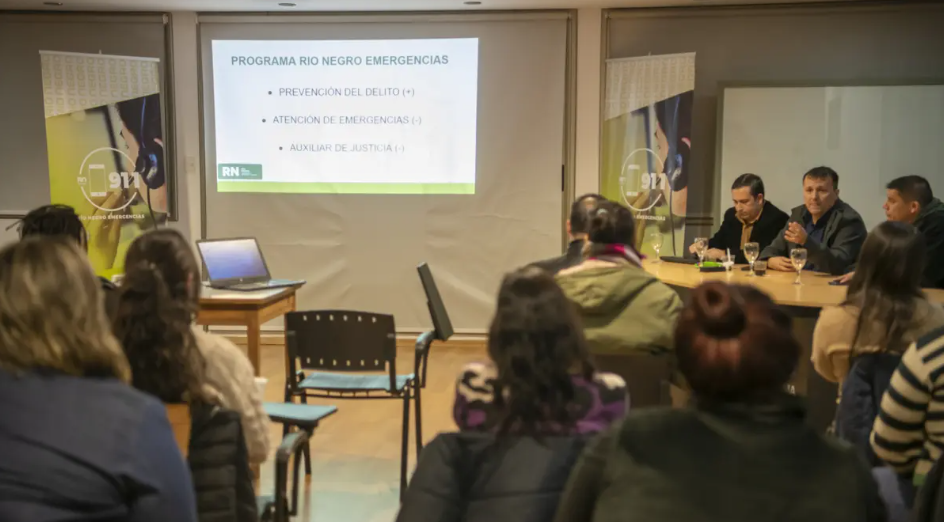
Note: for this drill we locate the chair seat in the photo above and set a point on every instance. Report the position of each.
(306, 415)
(265, 505)
(352, 382)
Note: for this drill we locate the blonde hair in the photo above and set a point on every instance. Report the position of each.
(52, 313)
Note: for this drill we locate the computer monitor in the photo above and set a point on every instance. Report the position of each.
(234, 260)
(437, 310)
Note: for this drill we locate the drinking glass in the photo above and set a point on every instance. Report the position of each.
(751, 251)
(760, 268)
(655, 241)
(701, 246)
(798, 258)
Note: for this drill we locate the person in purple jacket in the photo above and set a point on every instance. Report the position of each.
(77, 443)
(540, 379)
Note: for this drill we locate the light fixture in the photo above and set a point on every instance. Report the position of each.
(287, 4)
(472, 2)
(53, 4)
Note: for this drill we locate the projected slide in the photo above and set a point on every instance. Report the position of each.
(346, 116)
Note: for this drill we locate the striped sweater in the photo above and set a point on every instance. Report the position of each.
(909, 430)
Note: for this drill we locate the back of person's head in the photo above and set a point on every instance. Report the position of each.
(751, 181)
(51, 314)
(887, 280)
(612, 224)
(823, 173)
(157, 303)
(912, 188)
(581, 212)
(536, 343)
(734, 344)
(54, 220)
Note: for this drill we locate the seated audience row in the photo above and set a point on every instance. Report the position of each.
(741, 451)
(158, 350)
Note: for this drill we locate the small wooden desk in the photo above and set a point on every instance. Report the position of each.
(803, 302)
(249, 309)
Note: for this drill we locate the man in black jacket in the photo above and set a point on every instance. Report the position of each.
(909, 199)
(577, 228)
(751, 219)
(829, 229)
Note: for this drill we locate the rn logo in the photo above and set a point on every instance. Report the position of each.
(239, 172)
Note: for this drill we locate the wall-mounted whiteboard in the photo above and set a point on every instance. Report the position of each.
(869, 135)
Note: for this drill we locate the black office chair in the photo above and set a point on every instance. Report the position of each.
(347, 354)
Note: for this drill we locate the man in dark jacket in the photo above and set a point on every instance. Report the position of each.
(577, 227)
(62, 221)
(830, 230)
(909, 199)
(752, 219)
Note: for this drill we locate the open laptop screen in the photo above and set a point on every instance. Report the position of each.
(233, 259)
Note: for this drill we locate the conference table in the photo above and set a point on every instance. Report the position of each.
(803, 302)
(249, 309)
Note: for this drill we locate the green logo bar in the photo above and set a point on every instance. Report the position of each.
(238, 171)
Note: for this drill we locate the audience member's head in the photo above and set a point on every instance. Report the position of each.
(887, 279)
(905, 197)
(612, 225)
(51, 317)
(536, 343)
(747, 192)
(820, 190)
(54, 220)
(581, 211)
(734, 344)
(157, 304)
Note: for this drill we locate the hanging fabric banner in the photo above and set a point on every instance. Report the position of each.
(105, 145)
(646, 145)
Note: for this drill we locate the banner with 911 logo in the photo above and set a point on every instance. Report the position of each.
(646, 145)
(105, 145)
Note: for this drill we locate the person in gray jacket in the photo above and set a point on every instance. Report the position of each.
(829, 229)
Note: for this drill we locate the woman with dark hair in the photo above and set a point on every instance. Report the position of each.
(522, 416)
(624, 309)
(170, 359)
(742, 450)
(540, 379)
(885, 309)
(76, 442)
(860, 342)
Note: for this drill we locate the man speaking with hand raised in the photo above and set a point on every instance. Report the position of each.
(830, 230)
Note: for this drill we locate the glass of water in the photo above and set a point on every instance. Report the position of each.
(655, 241)
(751, 251)
(701, 246)
(798, 258)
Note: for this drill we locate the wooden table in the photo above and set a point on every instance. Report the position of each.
(249, 309)
(804, 303)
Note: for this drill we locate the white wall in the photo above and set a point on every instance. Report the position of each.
(589, 72)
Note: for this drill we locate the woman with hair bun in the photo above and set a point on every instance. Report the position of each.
(624, 309)
(741, 451)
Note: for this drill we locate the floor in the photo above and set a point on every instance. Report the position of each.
(356, 452)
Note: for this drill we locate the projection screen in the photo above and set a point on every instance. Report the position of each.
(358, 247)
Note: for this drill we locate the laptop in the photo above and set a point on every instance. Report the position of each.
(238, 264)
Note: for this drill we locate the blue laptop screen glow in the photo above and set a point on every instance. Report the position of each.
(237, 258)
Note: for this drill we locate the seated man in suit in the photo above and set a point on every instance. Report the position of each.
(577, 227)
(751, 219)
(62, 221)
(830, 230)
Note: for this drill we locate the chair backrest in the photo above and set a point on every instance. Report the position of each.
(180, 422)
(341, 340)
(647, 376)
